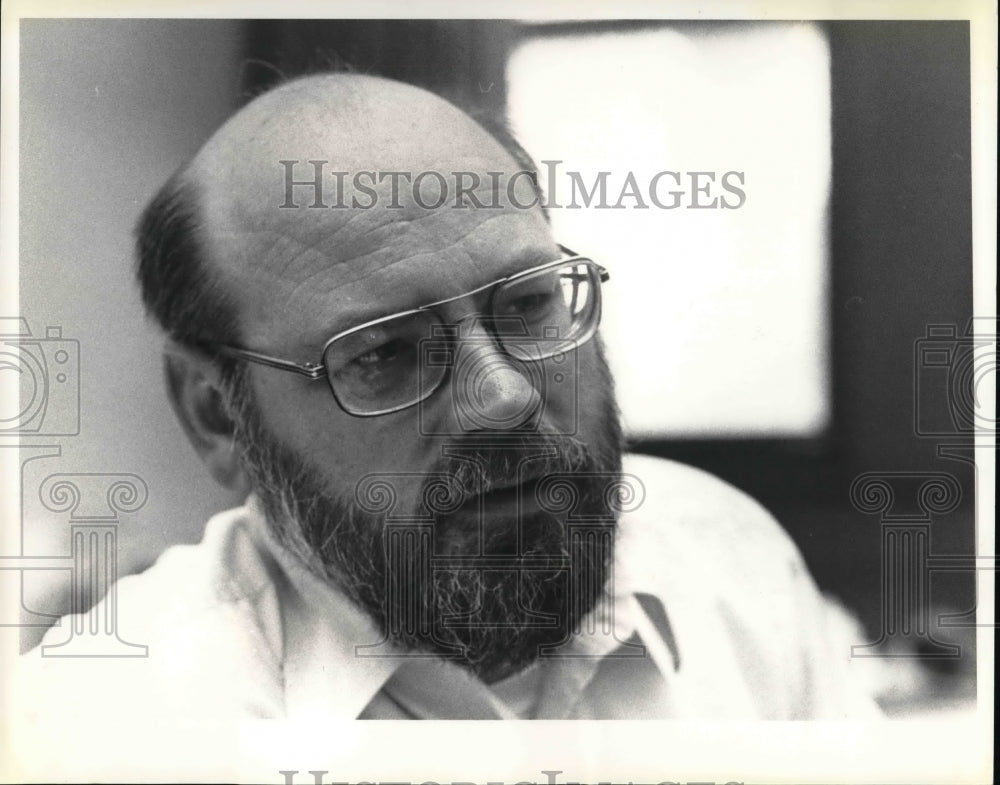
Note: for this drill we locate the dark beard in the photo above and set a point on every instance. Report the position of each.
(492, 592)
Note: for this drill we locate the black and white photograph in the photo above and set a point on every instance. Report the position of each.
(612, 387)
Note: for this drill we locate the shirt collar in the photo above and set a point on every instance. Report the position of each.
(326, 639)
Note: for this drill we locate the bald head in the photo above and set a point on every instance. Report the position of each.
(356, 121)
(225, 225)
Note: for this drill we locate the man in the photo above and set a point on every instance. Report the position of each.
(372, 332)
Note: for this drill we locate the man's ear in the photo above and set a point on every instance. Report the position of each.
(194, 386)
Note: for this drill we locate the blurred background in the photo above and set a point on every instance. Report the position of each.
(775, 345)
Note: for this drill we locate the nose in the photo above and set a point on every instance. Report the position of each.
(490, 390)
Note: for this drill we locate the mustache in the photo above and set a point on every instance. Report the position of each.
(477, 466)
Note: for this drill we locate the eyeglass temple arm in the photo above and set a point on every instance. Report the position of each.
(312, 371)
(605, 275)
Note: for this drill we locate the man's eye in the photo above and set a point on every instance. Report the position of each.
(530, 303)
(384, 354)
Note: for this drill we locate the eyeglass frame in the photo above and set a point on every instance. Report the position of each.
(316, 371)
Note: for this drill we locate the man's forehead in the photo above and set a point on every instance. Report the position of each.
(392, 249)
(313, 292)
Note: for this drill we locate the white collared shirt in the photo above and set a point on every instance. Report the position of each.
(713, 615)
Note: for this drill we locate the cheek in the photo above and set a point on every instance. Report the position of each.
(577, 391)
(344, 450)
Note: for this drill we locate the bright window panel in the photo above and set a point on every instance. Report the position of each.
(716, 320)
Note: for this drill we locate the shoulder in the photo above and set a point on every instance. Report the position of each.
(197, 634)
(681, 506)
(737, 588)
(700, 541)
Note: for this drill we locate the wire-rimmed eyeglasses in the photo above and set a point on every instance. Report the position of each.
(388, 364)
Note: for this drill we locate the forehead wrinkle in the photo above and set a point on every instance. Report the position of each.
(402, 266)
(464, 260)
(283, 249)
(402, 234)
(287, 251)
